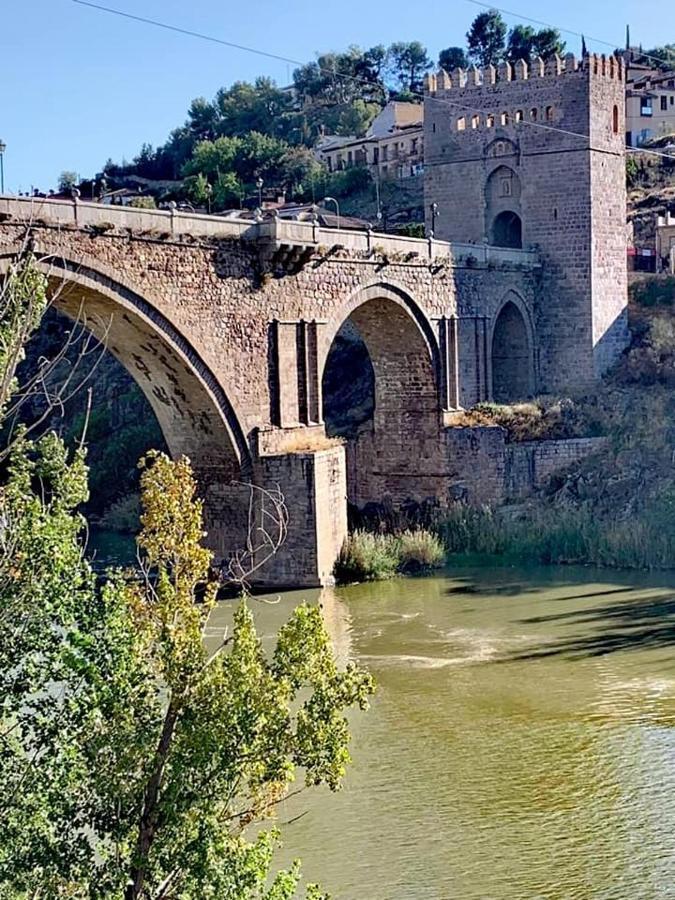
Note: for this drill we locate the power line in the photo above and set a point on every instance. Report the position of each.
(333, 73)
(188, 32)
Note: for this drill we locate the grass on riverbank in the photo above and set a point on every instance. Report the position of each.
(573, 535)
(367, 556)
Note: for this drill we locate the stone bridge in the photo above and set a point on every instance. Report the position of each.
(227, 325)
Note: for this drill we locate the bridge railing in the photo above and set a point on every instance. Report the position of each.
(271, 230)
(82, 213)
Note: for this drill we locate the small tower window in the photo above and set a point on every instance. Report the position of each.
(519, 115)
(549, 113)
(475, 122)
(490, 121)
(461, 124)
(505, 118)
(534, 115)
(615, 119)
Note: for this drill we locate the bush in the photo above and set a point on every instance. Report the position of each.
(366, 556)
(568, 535)
(419, 550)
(143, 203)
(654, 291)
(123, 515)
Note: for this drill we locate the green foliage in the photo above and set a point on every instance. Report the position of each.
(419, 550)
(408, 61)
(549, 534)
(453, 58)
(367, 556)
(666, 55)
(654, 292)
(135, 761)
(68, 180)
(526, 43)
(23, 300)
(412, 229)
(143, 203)
(486, 39)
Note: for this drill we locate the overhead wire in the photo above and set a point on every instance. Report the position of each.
(579, 34)
(353, 78)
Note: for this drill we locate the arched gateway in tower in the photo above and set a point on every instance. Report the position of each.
(542, 167)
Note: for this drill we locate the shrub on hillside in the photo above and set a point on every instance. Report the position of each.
(654, 291)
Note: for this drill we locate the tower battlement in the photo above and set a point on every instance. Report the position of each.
(555, 66)
(533, 156)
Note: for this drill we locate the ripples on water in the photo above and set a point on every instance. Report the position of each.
(520, 746)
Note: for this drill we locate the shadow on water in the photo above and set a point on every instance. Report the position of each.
(640, 623)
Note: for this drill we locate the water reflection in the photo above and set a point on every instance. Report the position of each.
(520, 744)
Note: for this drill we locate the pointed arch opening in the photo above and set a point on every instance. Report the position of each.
(511, 356)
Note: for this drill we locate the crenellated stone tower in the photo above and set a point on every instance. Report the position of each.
(532, 156)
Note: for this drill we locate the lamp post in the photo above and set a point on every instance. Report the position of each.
(259, 184)
(3, 147)
(337, 208)
(434, 213)
(376, 167)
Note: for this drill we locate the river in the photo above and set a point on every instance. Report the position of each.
(521, 744)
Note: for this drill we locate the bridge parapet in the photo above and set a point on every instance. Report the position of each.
(274, 233)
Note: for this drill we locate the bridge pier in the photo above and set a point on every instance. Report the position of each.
(314, 487)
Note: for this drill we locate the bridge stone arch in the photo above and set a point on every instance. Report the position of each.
(397, 453)
(511, 342)
(192, 408)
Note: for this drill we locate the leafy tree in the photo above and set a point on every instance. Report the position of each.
(68, 180)
(197, 188)
(486, 38)
(135, 760)
(202, 120)
(209, 158)
(227, 191)
(337, 78)
(260, 107)
(408, 62)
(664, 56)
(526, 43)
(453, 58)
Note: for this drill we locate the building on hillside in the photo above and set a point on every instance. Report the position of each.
(665, 243)
(650, 105)
(393, 146)
(509, 163)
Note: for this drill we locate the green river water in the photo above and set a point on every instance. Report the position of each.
(521, 743)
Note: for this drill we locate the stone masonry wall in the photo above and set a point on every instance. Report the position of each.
(551, 128)
(529, 465)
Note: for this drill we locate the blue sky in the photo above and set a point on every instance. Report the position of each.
(80, 85)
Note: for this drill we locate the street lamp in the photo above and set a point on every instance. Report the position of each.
(259, 184)
(3, 147)
(376, 166)
(434, 213)
(337, 208)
